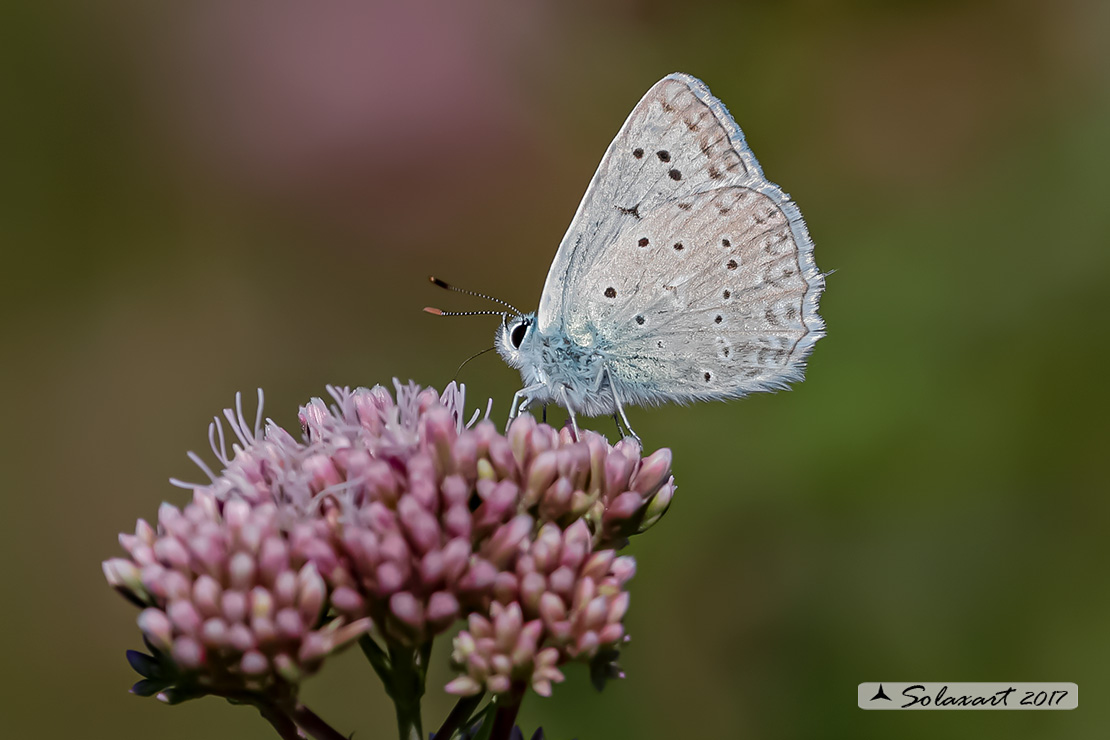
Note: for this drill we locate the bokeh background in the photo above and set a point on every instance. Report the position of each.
(205, 197)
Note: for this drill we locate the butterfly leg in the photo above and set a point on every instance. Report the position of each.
(631, 432)
(620, 410)
(520, 402)
(620, 429)
(570, 413)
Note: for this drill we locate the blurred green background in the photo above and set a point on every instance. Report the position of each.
(206, 197)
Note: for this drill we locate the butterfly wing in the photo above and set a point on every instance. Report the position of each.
(683, 264)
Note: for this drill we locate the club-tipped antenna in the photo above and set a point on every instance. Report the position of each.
(447, 286)
(437, 312)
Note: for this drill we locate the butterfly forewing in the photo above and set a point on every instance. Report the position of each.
(677, 141)
(693, 272)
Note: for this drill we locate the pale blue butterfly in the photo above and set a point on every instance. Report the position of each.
(684, 276)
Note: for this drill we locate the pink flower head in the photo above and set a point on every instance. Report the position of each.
(227, 606)
(396, 515)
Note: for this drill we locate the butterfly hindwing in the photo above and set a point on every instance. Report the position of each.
(713, 305)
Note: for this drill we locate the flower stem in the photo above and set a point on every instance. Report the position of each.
(406, 687)
(311, 723)
(507, 707)
(460, 713)
(282, 724)
(377, 657)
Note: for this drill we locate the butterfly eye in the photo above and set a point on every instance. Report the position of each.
(518, 333)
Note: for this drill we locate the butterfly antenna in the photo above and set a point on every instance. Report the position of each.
(448, 286)
(436, 312)
(468, 359)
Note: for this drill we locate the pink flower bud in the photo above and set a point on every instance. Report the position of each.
(541, 475)
(122, 574)
(187, 653)
(241, 571)
(289, 623)
(156, 626)
(456, 555)
(562, 581)
(618, 471)
(653, 473)
(240, 637)
(598, 564)
(185, 617)
(587, 644)
(254, 663)
(555, 502)
(498, 684)
(532, 588)
(236, 513)
(390, 579)
(419, 524)
(423, 487)
(463, 686)
(311, 594)
(407, 609)
(624, 568)
(547, 548)
(658, 506)
(618, 607)
(552, 608)
(207, 595)
(507, 625)
(506, 541)
(501, 456)
(505, 587)
(214, 632)
(611, 634)
(273, 559)
(458, 521)
(381, 482)
(443, 610)
(284, 589)
(623, 507)
(439, 427)
(170, 552)
(347, 600)
(321, 471)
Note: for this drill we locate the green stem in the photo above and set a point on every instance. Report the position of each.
(507, 707)
(459, 716)
(282, 724)
(378, 659)
(406, 688)
(402, 670)
(311, 723)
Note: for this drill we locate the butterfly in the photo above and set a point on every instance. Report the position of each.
(685, 274)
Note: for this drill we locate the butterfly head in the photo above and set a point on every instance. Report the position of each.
(514, 337)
